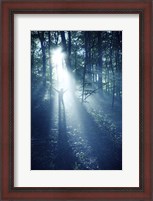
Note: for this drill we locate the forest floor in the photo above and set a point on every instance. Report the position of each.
(76, 136)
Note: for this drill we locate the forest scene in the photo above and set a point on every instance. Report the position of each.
(76, 100)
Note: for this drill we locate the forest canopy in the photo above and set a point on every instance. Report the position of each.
(92, 58)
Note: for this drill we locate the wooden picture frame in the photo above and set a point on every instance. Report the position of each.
(9, 9)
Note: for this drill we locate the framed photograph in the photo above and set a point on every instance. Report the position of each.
(76, 100)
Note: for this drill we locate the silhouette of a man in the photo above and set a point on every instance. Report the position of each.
(60, 95)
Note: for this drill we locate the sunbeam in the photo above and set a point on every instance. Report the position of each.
(61, 72)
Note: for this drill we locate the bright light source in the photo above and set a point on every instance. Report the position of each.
(61, 73)
(57, 56)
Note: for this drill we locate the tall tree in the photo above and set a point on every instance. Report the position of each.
(99, 60)
(66, 50)
(41, 35)
(69, 48)
(85, 64)
(112, 68)
(50, 65)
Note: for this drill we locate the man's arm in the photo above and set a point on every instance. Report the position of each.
(56, 90)
(65, 91)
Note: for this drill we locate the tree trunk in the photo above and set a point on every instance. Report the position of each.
(85, 65)
(50, 65)
(69, 48)
(113, 73)
(67, 52)
(42, 41)
(100, 61)
(89, 56)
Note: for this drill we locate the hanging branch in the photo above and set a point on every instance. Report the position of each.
(92, 92)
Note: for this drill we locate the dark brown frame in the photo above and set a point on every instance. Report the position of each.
(11, 7)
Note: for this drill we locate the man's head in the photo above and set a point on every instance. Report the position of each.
(61, 90)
